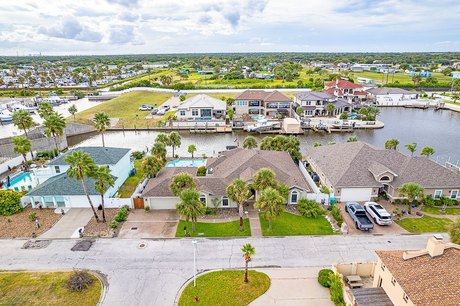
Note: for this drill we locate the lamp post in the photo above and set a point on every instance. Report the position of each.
(194, 242)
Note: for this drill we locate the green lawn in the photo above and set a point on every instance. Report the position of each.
(226, 229)
(401, 77)
(128, 187)
(288, 224)
(225, 288)
(437, 210)
(42, 288)
(425, 224)
(125, 108)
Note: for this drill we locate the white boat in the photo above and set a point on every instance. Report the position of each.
(262, 125)
(17, 107)
(6, 115)
(54, 99)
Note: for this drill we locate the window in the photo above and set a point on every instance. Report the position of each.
(393, 281)
(382, 266)
(57, 169)
(309, 113)
(294, 196)
(241, 103)
(194, 112)
(224, 202)
(454, 194)
(437, 194)
(307, 103)
(405, 297)
(384, 178)
(182, 113)
(203, 199)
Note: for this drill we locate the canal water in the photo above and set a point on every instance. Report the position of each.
(439, 129)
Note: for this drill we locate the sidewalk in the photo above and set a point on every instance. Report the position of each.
(254, 221)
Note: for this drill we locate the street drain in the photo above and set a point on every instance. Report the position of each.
(142, 245)
(134, 228)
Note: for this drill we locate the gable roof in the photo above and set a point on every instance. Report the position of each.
(100, 155)
(426, 280)
(389, 90)
(201, 101)
(313, 95)
(267, 96)
(343, 84)
(351, 165)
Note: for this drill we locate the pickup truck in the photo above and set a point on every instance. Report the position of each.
(358, 214)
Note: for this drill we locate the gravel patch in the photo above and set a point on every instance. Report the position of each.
(101, 229)
(222, 213)
(20, 226)
(36, 244)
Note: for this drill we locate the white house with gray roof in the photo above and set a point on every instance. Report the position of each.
(202, 108)
(391, 96)
(314, 103)
(56, 189)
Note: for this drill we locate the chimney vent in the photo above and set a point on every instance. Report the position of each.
(435, 246)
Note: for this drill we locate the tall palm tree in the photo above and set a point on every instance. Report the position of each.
(238, 191)
(73, 110)
(159, 150)
(54, 126)
(191, 149)
(250, 142)
(266, 143)
(151, 165)
(330, 109)
(248, 251)
(412, 147)
(180, 182)
(271, 203)
(162, 138)
(44, 110)
(392, 144)
(22, 146)
(263, 179)
(427, 151)
(81, 167)
(104, 180)
(174, 141)
(102, 122)
(23, 121)
(190, 206)
(411, 191)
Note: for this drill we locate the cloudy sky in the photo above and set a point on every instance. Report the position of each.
(183, 26)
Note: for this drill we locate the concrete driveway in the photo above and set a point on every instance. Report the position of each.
(294, 287)
(152, 224)
(378, 229)
(68, 225)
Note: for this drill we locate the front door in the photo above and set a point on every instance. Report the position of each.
(138, 203)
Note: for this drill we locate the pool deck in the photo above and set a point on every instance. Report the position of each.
(183, 162)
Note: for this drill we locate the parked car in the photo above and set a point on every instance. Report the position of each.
(155, 111)
(358, 215)
(161, 111)
(166, 107)
(146, 107)
(378, 213)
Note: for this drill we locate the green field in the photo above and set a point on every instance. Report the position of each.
(225, 288)
(288, 224)
(125, 108)
(224, 229)
(425, 224)
(45, 288)
(401, 77)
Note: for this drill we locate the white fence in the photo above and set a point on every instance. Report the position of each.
(13, 162)
(117, 202)
(192, 124)
(307, 176)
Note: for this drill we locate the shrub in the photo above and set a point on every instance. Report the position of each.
(79, 281)
(10, 202)
(47, 154)
(397, 201)
(32, 216)
(114, 224)
(429, 201)
(309, 208)
(137, 154)
(324, 277)
(210, 211)
(330, 207)
(147, 208)
(335, 212)
(336, 290)
(121, 215)
(397, 212)
(325, 190)
(201, 171)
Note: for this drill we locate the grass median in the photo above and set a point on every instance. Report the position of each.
(288, 224)
(223, 229)
(425, 224)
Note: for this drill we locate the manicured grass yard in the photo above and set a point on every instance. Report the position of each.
(226, 229)
(425, 224)
(225, 288)
(128, 187)
(125, 107)
(288, 224)
(437, 210)
(37, 288)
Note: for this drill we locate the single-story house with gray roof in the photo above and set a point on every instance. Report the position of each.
(221, 170)
(357, 171)
(391, 96)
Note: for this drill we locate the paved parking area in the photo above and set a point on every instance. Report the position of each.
(294, 287)
(152, 224)
(68, 225)
(378, 229)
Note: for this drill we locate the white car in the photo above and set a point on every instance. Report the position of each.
(145, 107)
(378, 213)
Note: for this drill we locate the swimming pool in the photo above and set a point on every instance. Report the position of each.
(21, 181)
(187, 163)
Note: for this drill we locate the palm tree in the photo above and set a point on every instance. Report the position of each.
(263, 179)
(238, 191)
(392, 144)
(174, 141)
(180, 182)
(162, 138)
(23, 121)
(151, 165)
(104, 180)
(250, 142)
(248, 251)
(271, 203)
(54, 126)
(82, 166)
(411, 191)
(159, 150)
(101, 121)
(412, 147)
(266, 143)
(330, 109)
(190, 206)
(22, 146)
(73, 110)
(191, 149)
(300, 111)
(427, 151)
(44, 110)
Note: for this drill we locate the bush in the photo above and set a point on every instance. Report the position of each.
(32, 216)
(114, 224)
(10, 202)
(335, 212)
(429, 201)
(201, 171)
(137, 154)
(309, 208)
(210, 211)
(147, 208)
(121, 215)
(79, 281)
(47, 154)
(336, 290)
(324, 277)
(325, 190)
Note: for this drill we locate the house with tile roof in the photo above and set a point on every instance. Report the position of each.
(357, 171)
(55, 189)
(261, 102)
(314, 103)
(221, 170)
(345, 89)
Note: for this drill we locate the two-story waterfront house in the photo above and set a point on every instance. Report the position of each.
(260, 102)
(314, 103)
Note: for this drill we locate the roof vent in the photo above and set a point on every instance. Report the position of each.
(435, 246)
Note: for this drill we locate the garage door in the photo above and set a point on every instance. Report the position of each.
(163, 203)
(355, 194)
